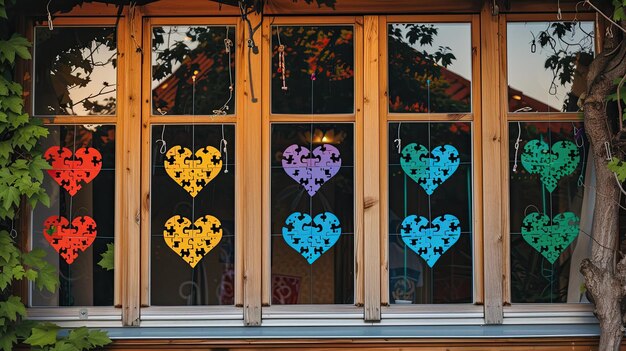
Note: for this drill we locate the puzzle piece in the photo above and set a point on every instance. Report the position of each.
(429, 172)
(311, 237)
(70, 171)
(550, 240)
(193, 172)
(67, 239)
(551, 165)
(430, 241)
(311, 169)
(192, 241)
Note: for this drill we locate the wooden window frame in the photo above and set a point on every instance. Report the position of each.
(524, 313)
(424, 313)
(190, 315)
(73, 316)
(276, 314)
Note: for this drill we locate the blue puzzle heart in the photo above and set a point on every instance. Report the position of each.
(430, 241)
(429, 172)
(311, 237)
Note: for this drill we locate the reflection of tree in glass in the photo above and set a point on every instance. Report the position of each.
(419, 80)
(185, 52)
(319, 69)
(72, 71)
(568, 59)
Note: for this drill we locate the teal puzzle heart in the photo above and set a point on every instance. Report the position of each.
(550, 240)
(430, 240)
(551, 165)
(429, 172)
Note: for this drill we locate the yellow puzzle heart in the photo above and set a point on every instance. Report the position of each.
(193, 172)
(192, 241)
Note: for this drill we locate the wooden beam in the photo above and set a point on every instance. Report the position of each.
(250, 162)
(128, 240)
(371, 164)
(491, 120)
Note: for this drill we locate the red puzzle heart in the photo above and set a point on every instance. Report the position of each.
(67, 239)
(71, 170)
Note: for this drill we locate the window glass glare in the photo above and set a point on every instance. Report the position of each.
(312, 213)
(429, 67)
(77, 231)
(192, 215)
(193, 70)
(312, 69)
(548, 64)
(430, 213)
(75, 71)
(546, 191)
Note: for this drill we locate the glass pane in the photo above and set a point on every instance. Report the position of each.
(75, 71)
(191, 180)
(79, 226)
(314, 73)
(193, 70)
(548, 64)
(546, 190)
(430, 213)
(430, 67)
(312, 220)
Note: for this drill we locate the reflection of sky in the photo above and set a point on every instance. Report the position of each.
(456, 36)
(100, 74)
(526, 70)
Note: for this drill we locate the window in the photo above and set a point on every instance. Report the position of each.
(193, 230)
(354, 164)
(547, 65)
(75, 95)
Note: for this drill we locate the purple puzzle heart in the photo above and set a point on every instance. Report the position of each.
(311, 169)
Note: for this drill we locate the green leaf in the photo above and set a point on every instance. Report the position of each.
(63, 345)
(79, 337)
(11, 196)
(3, 12)
(48, 278)
(24, 328)
(12, 103)
(43, 335)
(108, 258)
(5, 149)
(7, 340)
(98, 338)
(618, 167)
(619, 13)
(12, 307)
(16, 45)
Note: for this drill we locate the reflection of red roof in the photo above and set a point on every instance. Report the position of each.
(460, 89)
(166, 90)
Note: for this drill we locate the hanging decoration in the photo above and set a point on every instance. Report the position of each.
(550, 240)
(551, 165)
(67, 239)
(311, 169)
(430, 241)
(193, 171)
(429, 172)
(311, 237)
(192, 241)
(72, 170)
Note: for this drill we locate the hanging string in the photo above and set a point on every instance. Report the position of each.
(519, 138)
(13, 232)
(131, 15)
(163, 148)
(281, 61)
(223, 147)
(50, 25)
(580, 143)
(559, 15)
(398, 140)
(193, 139)
(72, 197)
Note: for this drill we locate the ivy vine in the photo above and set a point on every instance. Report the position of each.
(21, 175)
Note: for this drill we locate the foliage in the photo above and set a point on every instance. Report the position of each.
(618, 167)
(21, 176)
(108, 258)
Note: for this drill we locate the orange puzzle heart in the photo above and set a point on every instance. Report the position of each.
(67, 239)
(192, 241)
(193, 171)
(71, 171)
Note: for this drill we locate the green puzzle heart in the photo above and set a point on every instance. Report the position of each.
(550, 240)
(551, 165)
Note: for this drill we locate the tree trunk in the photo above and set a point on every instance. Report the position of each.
(603, 278)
